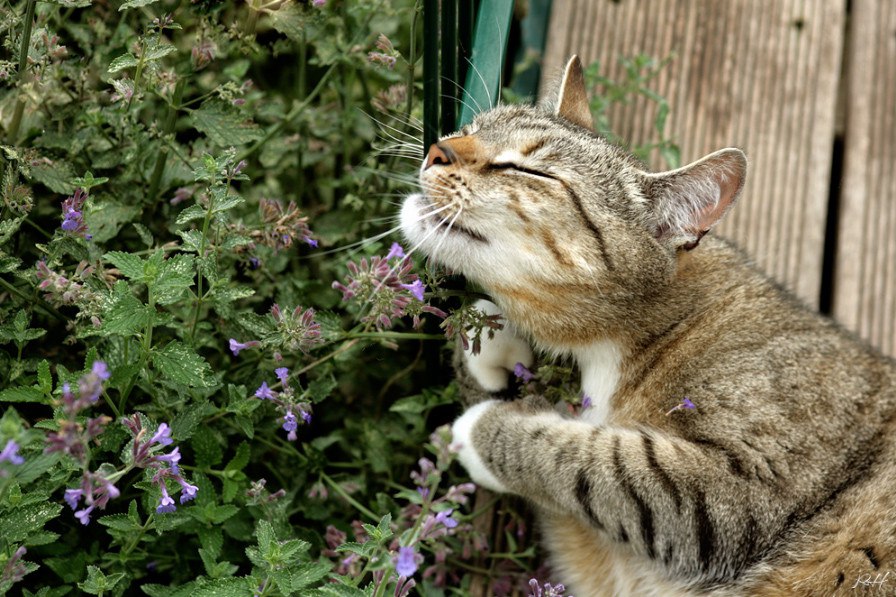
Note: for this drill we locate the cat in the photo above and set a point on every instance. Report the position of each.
(779, 476)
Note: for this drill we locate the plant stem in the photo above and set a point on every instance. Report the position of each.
(344, 494)
(167, 129)
(16, 121)
(30, 300)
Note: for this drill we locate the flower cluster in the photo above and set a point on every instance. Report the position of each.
(61, 290)
(282, 225)
(14, 570)
(469, 323)
(146, 454)
(96, 489)
(73, 215)
(546, 590)
(387, 285)
(73, 437)
(292, 408)
(387, 56)
(297, 328)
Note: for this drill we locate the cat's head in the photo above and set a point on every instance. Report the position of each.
(564, 229)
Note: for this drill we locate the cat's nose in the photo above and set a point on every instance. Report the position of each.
(437, 156)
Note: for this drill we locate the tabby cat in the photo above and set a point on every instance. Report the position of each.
(780, 480)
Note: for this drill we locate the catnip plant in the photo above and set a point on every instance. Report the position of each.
(208, 385)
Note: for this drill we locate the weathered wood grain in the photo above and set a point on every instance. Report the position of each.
(760, 75)
(865, 274)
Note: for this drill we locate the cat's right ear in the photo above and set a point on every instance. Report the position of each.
(686, 203)
(572, 103)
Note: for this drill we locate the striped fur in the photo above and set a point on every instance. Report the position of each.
(779, 482)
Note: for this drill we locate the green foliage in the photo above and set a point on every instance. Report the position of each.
(189, 406)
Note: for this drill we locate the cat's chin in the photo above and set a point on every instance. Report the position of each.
(451, 246)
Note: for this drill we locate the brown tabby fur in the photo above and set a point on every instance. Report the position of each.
(780, 482)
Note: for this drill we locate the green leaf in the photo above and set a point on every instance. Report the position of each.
(22, 394)
(122, 62)
(175, 277)
(241, 459)
(98, 583)
(120, 522)
(194, 212)
(106, 218)
(125, 315)
(56, 176)
(131, 266)
(309, 573)
(181, 365)
(44, 377)
(207, 449)
(223, 126)
(135, 4)
(290, 21)
(17, 526)
(226, 587)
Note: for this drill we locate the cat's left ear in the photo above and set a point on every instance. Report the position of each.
(572, 103)
(686, 203)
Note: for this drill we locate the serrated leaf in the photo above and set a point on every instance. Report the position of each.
(35, 466)
(226, 587)
(44, 377)
(227, 203)
(131, 266)
(194, 212)
(240, 459)
(207, 449)
(224, 126)
(362, 549)
(119, 522)
(159, 51)
(290, 21)
(135, 4)
(21, 394)
(125, 315)
(56, 176)
(106, 218)
(16, 526)
(98, 583)
(309, 573)
(182, 365)
(122, 62)
(175, 277)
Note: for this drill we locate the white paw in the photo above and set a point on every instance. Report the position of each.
(462, 431)
(498, 355)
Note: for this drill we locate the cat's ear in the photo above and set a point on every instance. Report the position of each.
(686, 203)
(572, 103)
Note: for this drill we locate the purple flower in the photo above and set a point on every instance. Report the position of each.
(10, 453)
(310, 241)
(586, 401)
(685, 404)
(416, 288)
(395, 251)
(290, 422)
(523, 373)
(236, 347)
(445, 518)
(100, 370)
(264, 392)
(73, 214)
(72, 497)
(162, 435)
(282, 374)
(84, 515)
(172, 458)
(166, 503)
(188, 492)
(547, 591)
(406, 561)
(306, 416)
(319, 3)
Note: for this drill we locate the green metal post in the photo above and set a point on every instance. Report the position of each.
(450, 82)
(430, 73)
(483, 83)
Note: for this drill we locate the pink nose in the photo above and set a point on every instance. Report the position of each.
(436, 156)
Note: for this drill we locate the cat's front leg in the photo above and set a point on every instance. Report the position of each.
(669, 499)
(481, 375)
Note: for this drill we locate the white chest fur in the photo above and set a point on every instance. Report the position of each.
(599, 363)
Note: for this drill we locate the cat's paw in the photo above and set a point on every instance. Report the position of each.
(462, 442)
(491, 368)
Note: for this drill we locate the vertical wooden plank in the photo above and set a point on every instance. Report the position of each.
(760, 75)
(865, 274)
